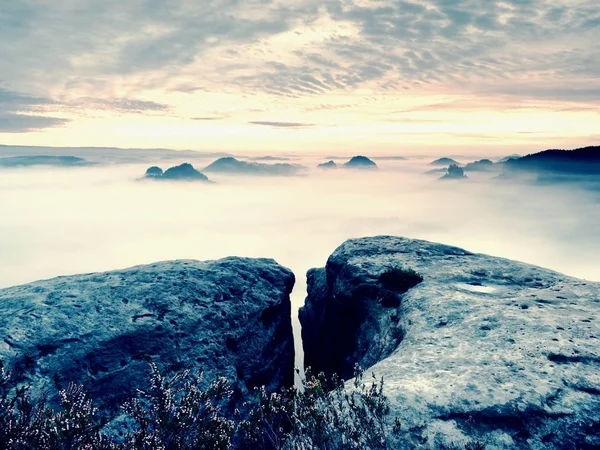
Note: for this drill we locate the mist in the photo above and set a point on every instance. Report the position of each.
(61, 221)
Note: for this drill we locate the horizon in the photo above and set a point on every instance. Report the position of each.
(38, 150)
(304, 76)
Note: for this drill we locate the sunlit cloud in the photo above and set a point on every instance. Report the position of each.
(310, 61)
(281, 124)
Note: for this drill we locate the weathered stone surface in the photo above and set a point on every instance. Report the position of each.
(490, 349)
(229, 317)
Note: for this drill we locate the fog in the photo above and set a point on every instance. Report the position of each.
(59, 221)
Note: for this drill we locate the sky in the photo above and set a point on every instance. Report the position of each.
(309, 76)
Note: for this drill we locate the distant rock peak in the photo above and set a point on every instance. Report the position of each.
(361, 162)
(444, 162)
(454, 173)
(231, 165)
(183, 172)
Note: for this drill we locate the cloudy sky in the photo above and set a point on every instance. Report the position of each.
(390, 76)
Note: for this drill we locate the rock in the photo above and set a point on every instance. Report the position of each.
(483, 349)
(483, 165)
(233, 166)
(454, 173)
(360, 162)
(229, 317)
(43, 160)
(444, 162)
(184, 171)
(579, 168)
(154, 172)
(582, 161)
(328, 165)
(508, 158)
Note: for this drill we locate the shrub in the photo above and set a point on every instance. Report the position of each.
(314, 417)
(27, 423)
(400, 279)
(177, 413)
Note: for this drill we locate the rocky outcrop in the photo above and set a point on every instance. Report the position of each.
(483, 165)
(230, 317)
(182, 172)
(508, 158)
(231, 165)
(484, 349)
(582, 162)
(444, 162)
(360, 162)
(154, 172)
(454, 173)
(328, 165)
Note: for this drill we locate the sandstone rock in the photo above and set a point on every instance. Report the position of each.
(229, 317)
(483, 349)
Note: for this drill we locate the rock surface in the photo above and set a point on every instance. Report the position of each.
(483, 349)
(230, 317)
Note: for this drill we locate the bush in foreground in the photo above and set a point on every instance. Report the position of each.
(183, 412)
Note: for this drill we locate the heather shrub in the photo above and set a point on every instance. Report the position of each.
(177, 413)
(28, 423)
(315, 417)
(183, 412)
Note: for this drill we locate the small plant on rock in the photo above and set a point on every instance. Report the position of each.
(400, 279)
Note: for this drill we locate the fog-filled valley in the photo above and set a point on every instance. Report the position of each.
(68, 220)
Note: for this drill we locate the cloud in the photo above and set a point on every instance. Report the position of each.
(121, 105)
(21, 123)
(20, 113)
(281, 124)
(299, 48)
(78, 42)
(208, 118)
